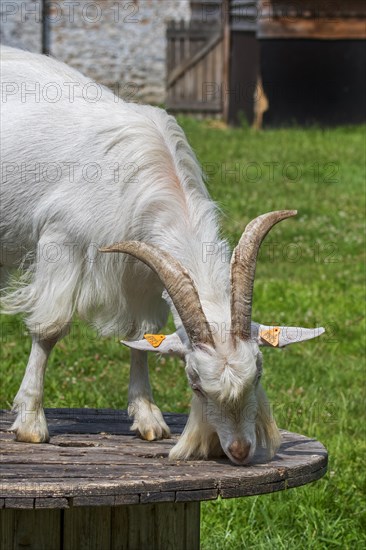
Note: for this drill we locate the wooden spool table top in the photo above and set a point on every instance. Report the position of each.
(94, 460)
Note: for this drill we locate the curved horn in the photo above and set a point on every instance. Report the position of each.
(178, 284)
(242, 270)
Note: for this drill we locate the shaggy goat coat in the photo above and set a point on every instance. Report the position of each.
(144, 183)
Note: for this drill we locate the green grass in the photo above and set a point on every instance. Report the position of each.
(310, 273)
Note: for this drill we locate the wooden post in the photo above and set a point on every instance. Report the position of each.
(45, 28)
(226, 64)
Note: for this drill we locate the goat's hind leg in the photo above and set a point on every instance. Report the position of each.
(148, 420)
(30, 424)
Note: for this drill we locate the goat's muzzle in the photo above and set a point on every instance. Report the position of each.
(239, 450)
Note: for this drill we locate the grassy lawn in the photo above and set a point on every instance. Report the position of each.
(310, 273)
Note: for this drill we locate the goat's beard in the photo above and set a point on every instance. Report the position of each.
(267, 433)
(199, 439)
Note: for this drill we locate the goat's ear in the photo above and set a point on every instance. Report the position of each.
(279, 337)
(170, 344)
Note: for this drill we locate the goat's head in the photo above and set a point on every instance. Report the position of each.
(230, 412)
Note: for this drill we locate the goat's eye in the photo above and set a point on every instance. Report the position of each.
(197, 390)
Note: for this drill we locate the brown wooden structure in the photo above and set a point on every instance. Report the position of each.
(96, 486)
(280, 61)
(195, 64)
(197, 60)
(313, 55)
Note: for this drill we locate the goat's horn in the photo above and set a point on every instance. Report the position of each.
(178, 284)
(242, 270)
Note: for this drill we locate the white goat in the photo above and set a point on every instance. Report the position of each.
(83, 169)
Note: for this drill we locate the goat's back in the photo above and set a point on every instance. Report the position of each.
(82, 167)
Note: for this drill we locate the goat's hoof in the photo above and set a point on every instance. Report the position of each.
(154, 433)
(148, 421)
(31, 430)
(33, 437)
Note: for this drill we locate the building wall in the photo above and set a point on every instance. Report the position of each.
(20, 24)
(121, 44)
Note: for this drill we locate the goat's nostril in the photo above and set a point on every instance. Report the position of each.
(239, 450)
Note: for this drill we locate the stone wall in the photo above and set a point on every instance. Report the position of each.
(20, 24)
(121, 44)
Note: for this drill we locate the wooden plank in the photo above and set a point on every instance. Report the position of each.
(189, 80)
(90, 421)
(197, 495)
(19, 503)
(219, 76)
(93, 500)
(119, 528)
(306, 478)
(198, 72)
(177, 526)
(142, 521)
(93, 466)
(178, 85)
(87, 528)
(192, 524)
(126, 499)
(226, 64)
(325, 29)
(209, 77)
(161, 496)
(310, 8)
(135, 483)
(251, 489)
(35, 530)
(7, 527)
(107, 493)
(51, 503)
(182, 59)
(170, 526)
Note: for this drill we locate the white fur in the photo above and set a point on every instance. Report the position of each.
(54, 228)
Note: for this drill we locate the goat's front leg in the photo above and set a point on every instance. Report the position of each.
(147, 418)
(30, 424)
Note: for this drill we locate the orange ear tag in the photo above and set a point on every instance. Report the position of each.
(154, 339)
(271, 336)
